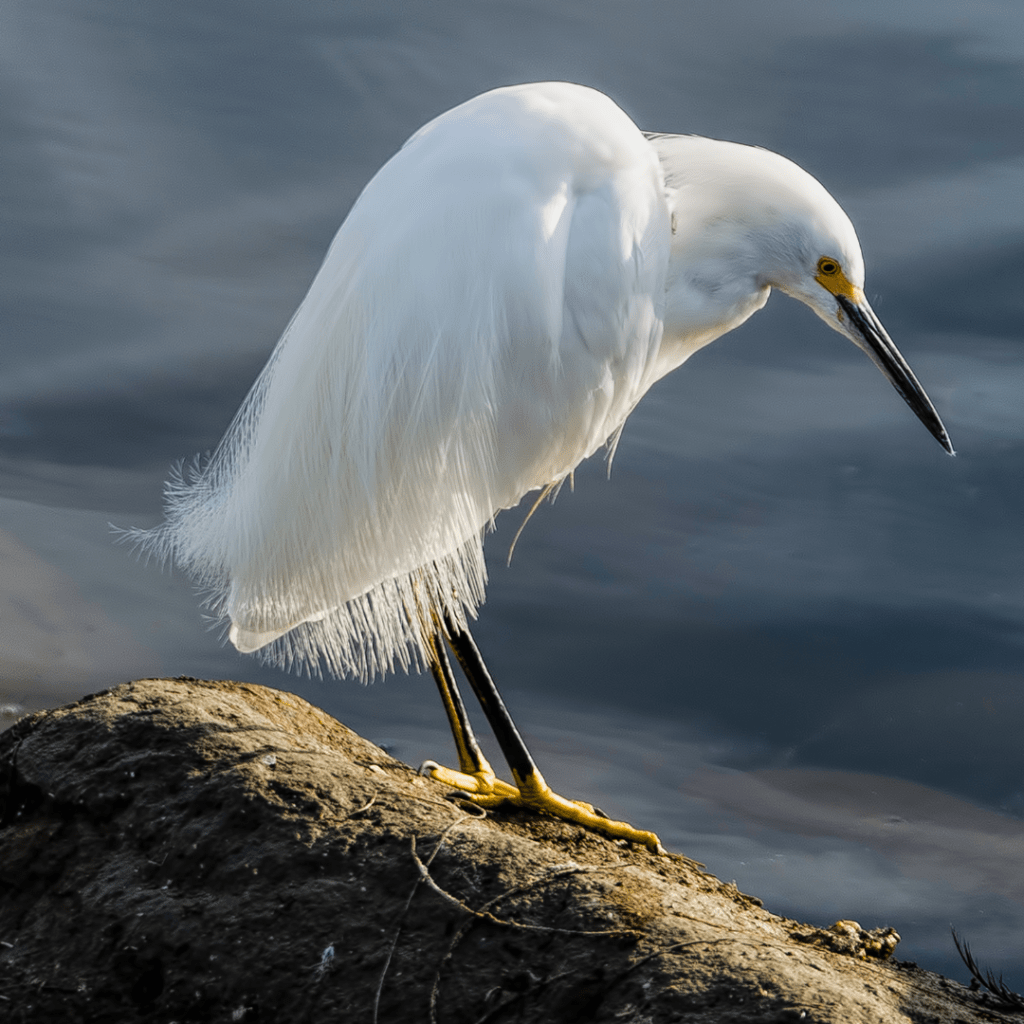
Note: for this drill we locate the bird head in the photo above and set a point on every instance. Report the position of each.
(826, 272)
(745, 220)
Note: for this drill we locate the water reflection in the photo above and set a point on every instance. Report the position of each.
(782, 582)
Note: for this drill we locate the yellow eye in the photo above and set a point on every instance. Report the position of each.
(827, 266)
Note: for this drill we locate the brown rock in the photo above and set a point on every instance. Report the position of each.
(177, 850)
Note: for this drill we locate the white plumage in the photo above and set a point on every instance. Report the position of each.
(499, 298)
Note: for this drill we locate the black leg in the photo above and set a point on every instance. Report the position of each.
(484, 789)
(505, 732)
(471, 757)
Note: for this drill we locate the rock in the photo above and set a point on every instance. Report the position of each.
(179, 850)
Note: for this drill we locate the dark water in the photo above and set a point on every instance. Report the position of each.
(788, 632)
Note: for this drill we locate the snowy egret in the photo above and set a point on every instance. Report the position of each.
(501, 295)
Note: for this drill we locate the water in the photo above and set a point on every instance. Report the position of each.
(787, 632)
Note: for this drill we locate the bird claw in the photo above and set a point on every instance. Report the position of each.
(481, 787)
(486, 791)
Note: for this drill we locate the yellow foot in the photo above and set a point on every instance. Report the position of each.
(481, 787)
(484, 790)
(536, 794)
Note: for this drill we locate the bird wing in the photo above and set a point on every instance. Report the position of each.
(483, 320)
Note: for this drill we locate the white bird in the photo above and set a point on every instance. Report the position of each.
(501, 295)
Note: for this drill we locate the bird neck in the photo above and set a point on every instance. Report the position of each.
(737, 217)
(707, 294)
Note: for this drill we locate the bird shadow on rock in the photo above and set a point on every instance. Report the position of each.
(174, 849)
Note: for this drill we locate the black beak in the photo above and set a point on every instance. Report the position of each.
(886, 356)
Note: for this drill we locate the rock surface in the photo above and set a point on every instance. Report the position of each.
(178, 850)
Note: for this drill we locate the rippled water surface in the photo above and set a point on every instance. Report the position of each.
(787, 632)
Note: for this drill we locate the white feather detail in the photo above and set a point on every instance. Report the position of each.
(485, 318)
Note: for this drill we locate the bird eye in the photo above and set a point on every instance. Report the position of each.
(827, 266)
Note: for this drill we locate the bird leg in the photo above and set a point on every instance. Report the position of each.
(531, 790)
(475, 775)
